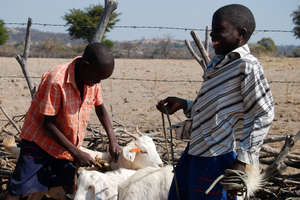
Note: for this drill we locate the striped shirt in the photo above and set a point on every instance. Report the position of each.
(233, 110)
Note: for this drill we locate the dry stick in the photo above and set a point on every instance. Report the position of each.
(10, 120)
(23, 59)
(191, 50)
(206, 44)
(279, 164)
(200, 47)
(275, 152)
(286, 163)
(274, 139)
(110, 6)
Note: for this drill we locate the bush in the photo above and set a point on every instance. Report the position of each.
(296, 52)
(3, 33)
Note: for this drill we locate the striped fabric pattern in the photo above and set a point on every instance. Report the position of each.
(233, 110)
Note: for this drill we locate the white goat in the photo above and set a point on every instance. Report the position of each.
(138, 154)
(149, 183)
(94, 185)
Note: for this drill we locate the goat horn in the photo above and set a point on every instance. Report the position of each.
(138, 130)
(130, 134)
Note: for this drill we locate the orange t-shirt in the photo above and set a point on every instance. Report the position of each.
(59, 96)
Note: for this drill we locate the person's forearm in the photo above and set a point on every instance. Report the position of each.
(59, 137)
(106, 123)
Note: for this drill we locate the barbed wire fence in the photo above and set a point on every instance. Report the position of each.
(143, 27)
(155, 80)
(295, 83)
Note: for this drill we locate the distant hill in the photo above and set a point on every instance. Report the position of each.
(17, 35)
(49, 44)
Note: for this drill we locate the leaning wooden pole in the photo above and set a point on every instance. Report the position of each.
(10, 119)
(200, 47)
(206, 43)
(22, 60)
(110, 6)
(193, 53)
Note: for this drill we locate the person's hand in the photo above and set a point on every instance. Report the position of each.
(237, 165)
(172, 104)
(115, 150)
(83, 159)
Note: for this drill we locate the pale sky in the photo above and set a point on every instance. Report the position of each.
(269, 15)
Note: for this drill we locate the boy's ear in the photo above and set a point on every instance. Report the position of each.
(83, 62)
(243, 33)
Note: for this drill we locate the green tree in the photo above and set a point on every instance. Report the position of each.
(83, 23)
(296, 52)
(265, 46)
(3, 33)
(269, 44)
(296, 20)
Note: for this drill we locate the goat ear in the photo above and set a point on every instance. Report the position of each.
(128, 154)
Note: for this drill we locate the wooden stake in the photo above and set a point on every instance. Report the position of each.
(23, 59)
(200, 47)
(10, 120)
(110, 6)
(207, 38)
(191, 50)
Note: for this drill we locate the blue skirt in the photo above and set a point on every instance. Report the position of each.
(195, 174)
(37, 171)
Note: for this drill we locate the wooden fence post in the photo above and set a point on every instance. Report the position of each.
(110, 6)
(23, 59)
(206, 44)
(200, 47)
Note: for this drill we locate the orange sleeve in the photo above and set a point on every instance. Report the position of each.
(98, 95)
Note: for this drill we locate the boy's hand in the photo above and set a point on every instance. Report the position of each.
(237, 165)
(115, 150)
(172, 104)
(83, 159)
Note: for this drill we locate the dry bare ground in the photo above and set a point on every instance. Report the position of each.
(132, 101)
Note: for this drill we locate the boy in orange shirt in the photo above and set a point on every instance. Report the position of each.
(56, 122)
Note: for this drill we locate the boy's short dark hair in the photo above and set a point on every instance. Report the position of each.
(239, 16)
(98, 54)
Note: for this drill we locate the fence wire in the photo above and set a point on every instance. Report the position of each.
(144, 27)
(155, 80)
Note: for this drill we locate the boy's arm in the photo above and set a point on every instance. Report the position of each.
(258, 113)
(103, 117)
(82, 158)
(173, 104)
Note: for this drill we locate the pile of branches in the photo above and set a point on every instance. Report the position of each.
(282, 171)
(280, 167)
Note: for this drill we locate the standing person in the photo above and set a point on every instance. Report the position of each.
(231, 114)
(56, 122)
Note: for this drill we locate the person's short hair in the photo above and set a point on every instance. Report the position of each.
(239, 16)
(98, 54)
